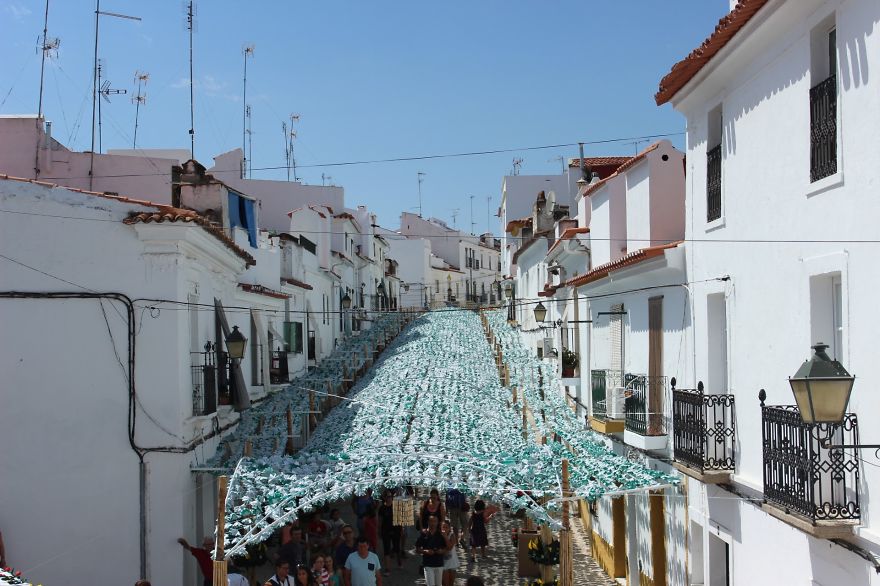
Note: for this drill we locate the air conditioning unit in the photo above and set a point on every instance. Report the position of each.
(616, 402)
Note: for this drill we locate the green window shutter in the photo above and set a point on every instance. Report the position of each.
(298, 337)
(289, 336)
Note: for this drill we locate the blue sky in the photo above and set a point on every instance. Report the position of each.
(371, 80)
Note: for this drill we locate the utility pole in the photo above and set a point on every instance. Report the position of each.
(419, 176)
(95, 89)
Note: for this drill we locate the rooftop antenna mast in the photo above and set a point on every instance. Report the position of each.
(455, 213)
(517, 163)
(140, 98)
(47, 46)
(190, 26)
(247, 51)
(288, 145)
(250, 138)
(561, 160)
(488, 214)
(472, 215)
(95, 89)
(420, 176)
(105, 91)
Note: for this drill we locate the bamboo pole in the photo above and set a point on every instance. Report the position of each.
(566, 562)
(288, 447)
(248, 448)
(219, 561)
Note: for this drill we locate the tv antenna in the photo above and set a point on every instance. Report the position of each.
(190, 26)
(49, 48)
(250, 138)
(95, 89)
(472, 215)
(420, 176)
(455, 213)
(561, 160)
(488, 214)
(289, 137)
(247, 51)
(326, 180)
(141, 98)
(517, 163)
(105, 91)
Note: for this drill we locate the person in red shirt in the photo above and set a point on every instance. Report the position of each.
(203, 557)
(371, 528)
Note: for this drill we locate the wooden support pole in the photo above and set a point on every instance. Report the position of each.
(566, 561)
(313, 421)
(219, 554)
(248, 448)
(288, 447)
(525, 420)
(259, 425)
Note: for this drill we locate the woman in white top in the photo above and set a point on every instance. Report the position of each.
(450, 558)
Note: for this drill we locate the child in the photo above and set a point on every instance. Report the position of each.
(477, 527)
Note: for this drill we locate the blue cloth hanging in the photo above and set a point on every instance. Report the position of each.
(250, 220)
(241, 214)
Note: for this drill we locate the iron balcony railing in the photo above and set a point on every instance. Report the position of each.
(645, 407)
(703, 429)
(713, 183)
(801, 475)
(210, 379)
(602, 381)
(823, 129)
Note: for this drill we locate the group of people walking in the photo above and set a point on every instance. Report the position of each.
(321, 549)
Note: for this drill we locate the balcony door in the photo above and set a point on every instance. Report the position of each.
(655, 366)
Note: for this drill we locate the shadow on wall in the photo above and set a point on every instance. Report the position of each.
(853, 58)
(676, 535)
(831, 564)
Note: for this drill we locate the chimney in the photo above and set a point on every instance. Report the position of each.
(595, 179)
(581, 160)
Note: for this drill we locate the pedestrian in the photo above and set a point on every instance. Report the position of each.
(432, 508)
(346, 548)
(362, 568)
(336, 524)
(234, 577)
(332, 571)
(371, 528)
(474, 581)
(322, 577)
(282, 575)
(293, 552)
(203, 557)
(450, 558)
(391, 533)
(359, 505)
(477, 527)
(457, 508)
(432, 546)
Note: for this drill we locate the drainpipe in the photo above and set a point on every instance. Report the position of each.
(144, 545)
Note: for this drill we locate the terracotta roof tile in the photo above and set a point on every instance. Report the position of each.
(622, 169)
(630, 259)
(568, 235)
(164, 213)
(685, 70)
(299, 284)
(598, 161)
(260, 290)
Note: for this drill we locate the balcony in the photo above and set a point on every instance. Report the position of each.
(209, 383)
(605, 407)
(645, 411)
(278, 370)
(704, 434)
(810, 487)
(823, 129)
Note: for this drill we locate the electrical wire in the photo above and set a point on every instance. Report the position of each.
(419, 157)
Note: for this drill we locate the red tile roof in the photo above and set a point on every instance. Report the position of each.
(165, 213)
(299, 284)
(685, 70)
(598, 161)
(260, 290)
(622, 169)
(568, 235)
(630, 259)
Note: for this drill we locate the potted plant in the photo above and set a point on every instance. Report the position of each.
(569, 363)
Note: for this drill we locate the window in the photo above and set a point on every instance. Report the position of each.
(293, 337)
(437, 286)
(826, 313)
(713, 165)
(823, 100)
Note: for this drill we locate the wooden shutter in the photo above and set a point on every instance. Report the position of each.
(655, 365)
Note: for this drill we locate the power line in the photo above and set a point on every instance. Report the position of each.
(419, 157)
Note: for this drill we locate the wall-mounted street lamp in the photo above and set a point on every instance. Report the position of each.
(235, 344)
(346, 302)
(822, 389)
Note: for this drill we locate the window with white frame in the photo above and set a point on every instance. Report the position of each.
(823, 100)
(826, 313)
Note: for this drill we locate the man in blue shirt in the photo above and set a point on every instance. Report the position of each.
(362, 567)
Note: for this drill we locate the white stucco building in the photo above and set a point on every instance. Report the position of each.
(782, 109)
